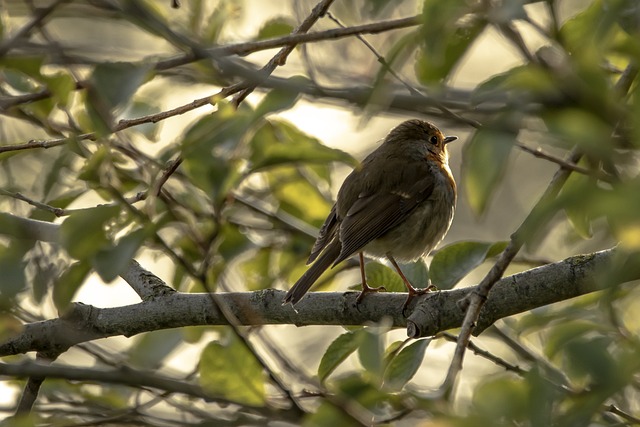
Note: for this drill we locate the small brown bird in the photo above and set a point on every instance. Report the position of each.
(399, 203)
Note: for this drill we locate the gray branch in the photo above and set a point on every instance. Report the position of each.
(432, 313)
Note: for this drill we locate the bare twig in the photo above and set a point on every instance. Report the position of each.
(281, 57)
(486, 354)
(39, 16)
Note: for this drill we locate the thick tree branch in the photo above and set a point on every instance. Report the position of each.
(433, 313)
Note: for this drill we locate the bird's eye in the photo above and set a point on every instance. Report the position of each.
(433, 139)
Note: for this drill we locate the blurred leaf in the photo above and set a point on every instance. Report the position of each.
(380, 275)
(371, 352)
(329, 415)
(277, 100)
(446, 38)
(94, 169)
(221, 16)
(580, 219)
(628, 17)
(256, 270)
(12, 267)
(563, 333)
(208, 150)
(66, 286)
(152, 348)
(279, 143)
(27, 65)
(373, 8)
(230, 370)
(83, 232)
(43, 280)
(405, 365)
(502, 397)
(61, 85)
(9, 327)
(589, 357)
(591, 29)
(232, 241)
(111, 261)
(140, 108)
(336, 353)
(485, 159)
(110, 88)
(453, 262)
(297, 196)
(391, 351)
(275, 27)
(579, 127)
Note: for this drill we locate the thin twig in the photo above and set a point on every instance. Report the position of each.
(486, 354)
(39, 16)
(281, 57)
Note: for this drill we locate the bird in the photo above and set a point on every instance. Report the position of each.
(398, 203)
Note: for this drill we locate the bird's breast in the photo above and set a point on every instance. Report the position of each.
(425, 226)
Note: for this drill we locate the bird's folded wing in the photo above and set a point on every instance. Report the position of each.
(327, 231)
(373, 215)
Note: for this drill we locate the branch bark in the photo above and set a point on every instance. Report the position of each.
(432, 313)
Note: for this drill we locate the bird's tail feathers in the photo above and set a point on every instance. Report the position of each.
(324, 261)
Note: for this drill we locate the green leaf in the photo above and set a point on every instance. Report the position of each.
(152, 348)
(562, 334)
(446, 38)
(502, 397)
(582, 128)
(29, 65)
(328, 414)
(61, 85)
(232, 241)
(485, 159)
(114, 83)
(336, 353)
(371, 351)
(277, 100)
(279, 143)
(208, 149)
(297, 195)
(380, 275)
(591, 29)
(405, 365)
(110, 262)
(232, 371)
(10, 327)
(574, 192)
(83, 232)
(256, 271)
(66, 286)
(275, 27)
(417, 272)
(12, 268)
(453, 262)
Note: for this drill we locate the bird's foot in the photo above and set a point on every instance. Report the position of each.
(366, 289)
(414, 292)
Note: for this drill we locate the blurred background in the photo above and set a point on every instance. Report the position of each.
(507, 77)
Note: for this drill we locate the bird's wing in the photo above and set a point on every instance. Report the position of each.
(326, 234)
(374, 214)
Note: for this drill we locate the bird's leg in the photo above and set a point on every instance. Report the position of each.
(365, 288)
(413, 292)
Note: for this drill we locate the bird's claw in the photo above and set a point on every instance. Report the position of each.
(414, 292)
(366, 289)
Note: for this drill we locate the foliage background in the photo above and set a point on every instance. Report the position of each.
(100, 99)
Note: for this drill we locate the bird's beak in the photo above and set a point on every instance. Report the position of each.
(449, 139)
